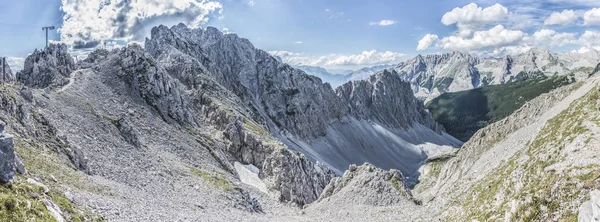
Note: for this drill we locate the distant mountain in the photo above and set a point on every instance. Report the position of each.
(340, 71)
(364, 73)
(334, 79)
(432, 75)
(340, 78)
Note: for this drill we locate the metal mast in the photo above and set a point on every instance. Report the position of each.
(46, 29)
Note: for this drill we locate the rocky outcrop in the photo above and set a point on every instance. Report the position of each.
(49, 67)
(590, 211)
(7, 156)
(295, 177)
(150, 82)
(368, 185)
(129, 132)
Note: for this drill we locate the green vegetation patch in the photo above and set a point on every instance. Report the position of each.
(215, 178)
(20, 201)
(464, 113)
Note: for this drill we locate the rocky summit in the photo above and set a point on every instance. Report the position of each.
(201, 125)
(49, 67)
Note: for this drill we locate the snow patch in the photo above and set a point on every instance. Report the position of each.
(249, 175)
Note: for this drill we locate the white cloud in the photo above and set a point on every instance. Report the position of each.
(226, 31)
(383, 23)
(582, 50)
(87, 22)
(470, 17)
(372, 57)
(497, 36)
(251, 3)
(592, 17)
(590, 39)
(15, 63)
(298, 42)
(561, 18)
(547, 37)
(427, 41)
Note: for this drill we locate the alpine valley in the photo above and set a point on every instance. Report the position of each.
(198, 125)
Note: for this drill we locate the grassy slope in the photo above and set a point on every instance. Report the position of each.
(530, 183)
(463, 113)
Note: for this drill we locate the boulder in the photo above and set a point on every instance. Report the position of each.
(590, 211)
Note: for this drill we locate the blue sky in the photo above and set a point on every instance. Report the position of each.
(333, 34)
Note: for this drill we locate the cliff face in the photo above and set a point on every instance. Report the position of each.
(387, 99)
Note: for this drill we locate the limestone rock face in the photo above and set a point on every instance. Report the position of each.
(49, 67)
(287, 98)
(151, 82)
(7, 156)
(298, 179)
(385, 97)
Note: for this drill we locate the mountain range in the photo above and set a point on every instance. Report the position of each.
(432, 75)
(435, 74)
(201, 125)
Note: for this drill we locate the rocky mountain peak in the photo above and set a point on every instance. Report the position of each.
(381, 97)
(49, 67)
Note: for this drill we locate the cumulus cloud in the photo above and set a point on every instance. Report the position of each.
(496, 31)
(547, 37)
(498, 40)
(427, 41)
(251, 3)
(86, 23)
(497, 36)
(226, 31)
(383, 23)
(372, 57)
(590, 38)
(471, 17)
(592, 17)
(561, 18)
